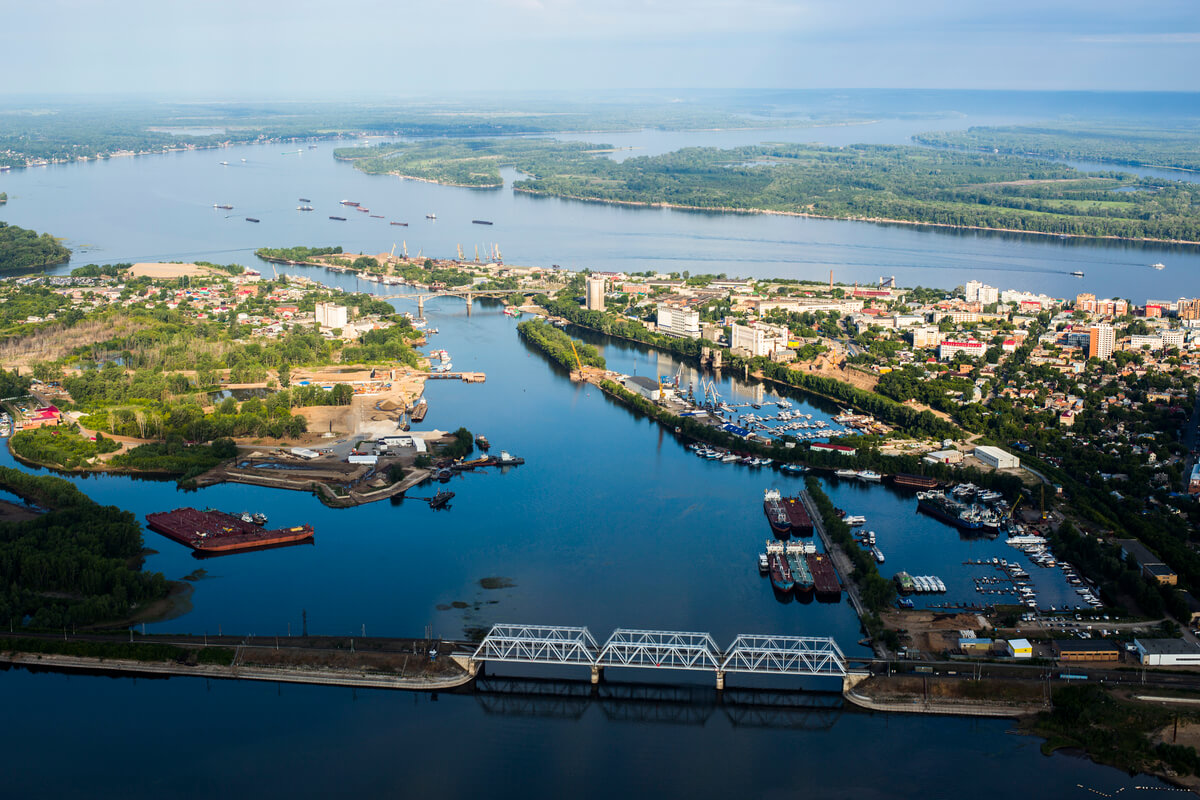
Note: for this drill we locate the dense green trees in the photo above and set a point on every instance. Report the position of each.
(858, 182)
(60, 446)
(174, 457)
(22, 249)
(78, 563)
(1133, 142)
(295, 253)
(557, 345)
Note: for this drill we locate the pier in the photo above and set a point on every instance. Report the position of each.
(840, 559)
(801, 656)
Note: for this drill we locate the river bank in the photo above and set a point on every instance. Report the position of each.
(875, 220)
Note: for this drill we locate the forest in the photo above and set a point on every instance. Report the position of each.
(22, 249)
(871, 182)
(1115, 142)
(78, 563)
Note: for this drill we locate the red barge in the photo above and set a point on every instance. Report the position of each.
(824, 575)
(218, 532)
(798, 516)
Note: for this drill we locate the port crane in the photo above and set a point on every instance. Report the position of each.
(575, 352)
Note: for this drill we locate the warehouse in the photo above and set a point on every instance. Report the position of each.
(1019, 648)
(995, 457)
(1086, 650)
(1167, 652)
(646, 387)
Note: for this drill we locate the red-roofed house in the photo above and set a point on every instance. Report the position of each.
(837, 448)
(50, 415)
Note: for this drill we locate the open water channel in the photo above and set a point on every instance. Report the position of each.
(611, 523)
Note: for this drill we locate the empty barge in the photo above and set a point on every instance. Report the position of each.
(218, 532)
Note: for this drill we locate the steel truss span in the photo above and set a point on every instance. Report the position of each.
(538, 644)
(785, 655)
(749, 653)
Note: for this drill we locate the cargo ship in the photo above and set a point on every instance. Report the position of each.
(797, 561)
(401, 224)
(219, 532)
(339, 219)
(798, 516)
(824, 575)
(777, 515)
(350, 203)
(915, 481)
(252, 219)
(480, 222)
(965, 516)
(781, 576)
(419, 410)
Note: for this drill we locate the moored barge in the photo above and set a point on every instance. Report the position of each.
(798, 516)
(824, 575)
(219, 532)
(915, 481)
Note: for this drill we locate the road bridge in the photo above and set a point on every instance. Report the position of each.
(802, 656)
(468, 295)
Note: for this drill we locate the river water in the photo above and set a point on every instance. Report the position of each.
(611, 523)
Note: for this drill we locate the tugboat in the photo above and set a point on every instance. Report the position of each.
(440, 499)
(482, 442)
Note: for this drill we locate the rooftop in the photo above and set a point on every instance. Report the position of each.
(1167, 646)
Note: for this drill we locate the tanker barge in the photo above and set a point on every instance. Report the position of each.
(824, 575)
(798, 516)
(218, 532)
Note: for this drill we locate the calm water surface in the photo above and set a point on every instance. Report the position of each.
(610, 523)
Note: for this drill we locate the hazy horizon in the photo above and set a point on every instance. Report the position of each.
(304, 50)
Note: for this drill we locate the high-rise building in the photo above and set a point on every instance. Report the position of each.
(1101, 341)
(330, 315)
(759, 339)
(595, 294)
(1189, 309)
(1085, 301)
(981, 293)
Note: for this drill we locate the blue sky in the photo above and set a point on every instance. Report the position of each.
(300, 48)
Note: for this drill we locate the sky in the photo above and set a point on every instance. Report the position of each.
(305, 49)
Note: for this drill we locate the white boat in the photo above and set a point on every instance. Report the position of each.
(1158, 265)
(870, 475)
(846, 473)
(855, 520)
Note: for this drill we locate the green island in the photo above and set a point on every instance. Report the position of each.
(23, 249)
(1133, 143)
(862, 182)
(54, 132)
(68, 560)
(558, 345)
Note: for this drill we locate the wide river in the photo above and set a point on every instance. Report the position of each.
(611, 523)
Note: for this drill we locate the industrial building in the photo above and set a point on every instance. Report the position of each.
(1152, 567)
(1086, 650)
(1019, 648)
(1167, 652)
(646, 387)
(995, 457)
(759, 339)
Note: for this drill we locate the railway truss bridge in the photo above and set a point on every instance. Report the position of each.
(802, 656)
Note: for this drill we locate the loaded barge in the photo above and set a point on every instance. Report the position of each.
(218, 532)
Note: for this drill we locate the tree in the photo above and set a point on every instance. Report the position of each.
(285, 375)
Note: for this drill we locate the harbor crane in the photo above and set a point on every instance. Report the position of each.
(575, 352)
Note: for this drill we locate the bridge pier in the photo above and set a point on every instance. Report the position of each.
(421, 306)
(720, 680)
(468, 299)
(597, 674)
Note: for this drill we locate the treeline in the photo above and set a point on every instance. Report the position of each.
(176, 458)
(382, 344)
(125, 651)
(60, 446)
(1113, 142)
(877, 182)
(22, 249)
(295, 253)
(876, 591)
(189, 422)
(13, 384)
(77, 564)
(557, 345)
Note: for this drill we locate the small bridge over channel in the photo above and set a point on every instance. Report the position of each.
(467, 295)
(802, 656)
